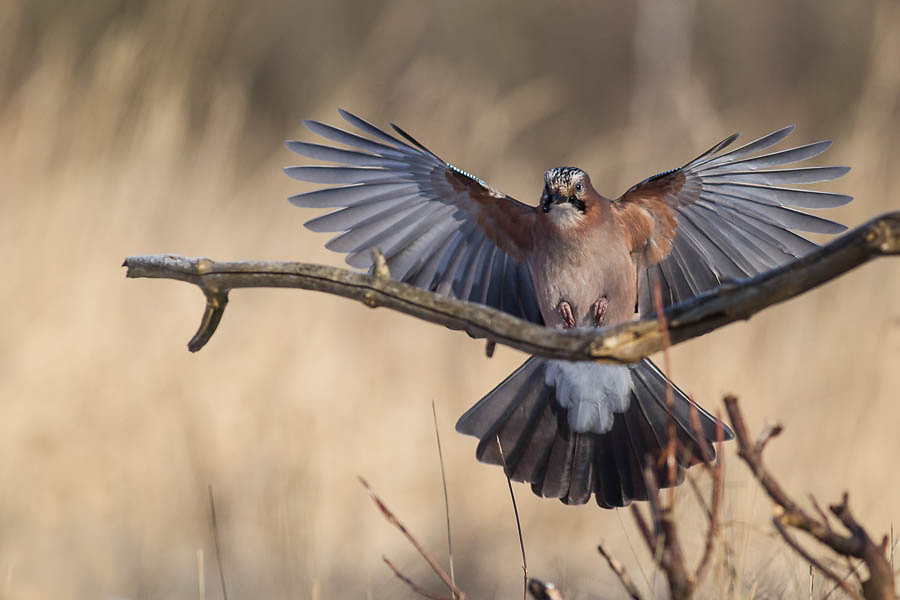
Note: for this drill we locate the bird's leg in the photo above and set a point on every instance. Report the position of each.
(568, 316)
(599, 310)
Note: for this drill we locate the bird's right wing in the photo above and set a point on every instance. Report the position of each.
(438, 227)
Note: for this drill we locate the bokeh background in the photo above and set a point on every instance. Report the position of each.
(132, 127)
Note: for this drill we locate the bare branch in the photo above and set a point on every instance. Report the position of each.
(858, 544)
(813, 561)
(671, 446)
(698, 495)
(619, 569)
(718, 477)
(409, 582)
(854, 571)
(623, 343)
(766, 435)
(428, 556)
(663, 541)
(649, 538)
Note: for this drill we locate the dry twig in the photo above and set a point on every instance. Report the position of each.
(428, 556)
(669, 454)
(718, 479)
(415, 587)
(619, 569)
(663, 541)
(788, 514)
(623, 343)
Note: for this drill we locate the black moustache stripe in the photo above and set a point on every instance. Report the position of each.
(573, 200)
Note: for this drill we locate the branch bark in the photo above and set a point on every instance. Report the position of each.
(622, 343)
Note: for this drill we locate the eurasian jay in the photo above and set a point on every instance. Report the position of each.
(578, 259)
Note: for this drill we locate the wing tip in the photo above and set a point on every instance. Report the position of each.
(841, 170)
(841, 200)
(462, 426)
(298, 200)
(291, 172)
(314, 225)
(297, 146)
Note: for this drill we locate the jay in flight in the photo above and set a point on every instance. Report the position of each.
(577, 259)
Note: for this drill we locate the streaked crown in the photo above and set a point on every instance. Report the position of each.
(561, 177)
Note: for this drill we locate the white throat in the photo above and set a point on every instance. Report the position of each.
(565, 215)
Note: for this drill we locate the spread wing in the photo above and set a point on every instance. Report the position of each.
(725, 216)
(438, 227)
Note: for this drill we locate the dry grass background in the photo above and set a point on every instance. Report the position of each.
(133, 127)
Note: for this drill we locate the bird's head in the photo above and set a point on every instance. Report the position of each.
(567, 195)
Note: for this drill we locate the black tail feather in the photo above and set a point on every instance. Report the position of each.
(540, 447)
(608, 486)
(557, 476)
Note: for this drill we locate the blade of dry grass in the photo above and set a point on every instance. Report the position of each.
(512, 496)
(215, 528)
(437, 437)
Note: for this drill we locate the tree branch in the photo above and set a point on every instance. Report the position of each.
(858, 544)
(622, 343)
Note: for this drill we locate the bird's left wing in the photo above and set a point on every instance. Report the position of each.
(438, 227)
(725, 216)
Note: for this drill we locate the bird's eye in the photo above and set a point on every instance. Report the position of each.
(578, 187)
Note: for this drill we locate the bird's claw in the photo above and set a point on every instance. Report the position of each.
(599, 310)
(568, 316)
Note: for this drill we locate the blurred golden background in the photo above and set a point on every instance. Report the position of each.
(132, 127)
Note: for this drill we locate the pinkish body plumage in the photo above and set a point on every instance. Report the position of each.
(580, 256)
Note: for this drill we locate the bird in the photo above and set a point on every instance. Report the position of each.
(572, 430)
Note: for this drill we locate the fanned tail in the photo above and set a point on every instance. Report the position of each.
(541, 447)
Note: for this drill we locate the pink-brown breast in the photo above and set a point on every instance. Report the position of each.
(582, 263)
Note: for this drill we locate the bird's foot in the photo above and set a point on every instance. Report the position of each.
(599, 310)
(568, 316)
